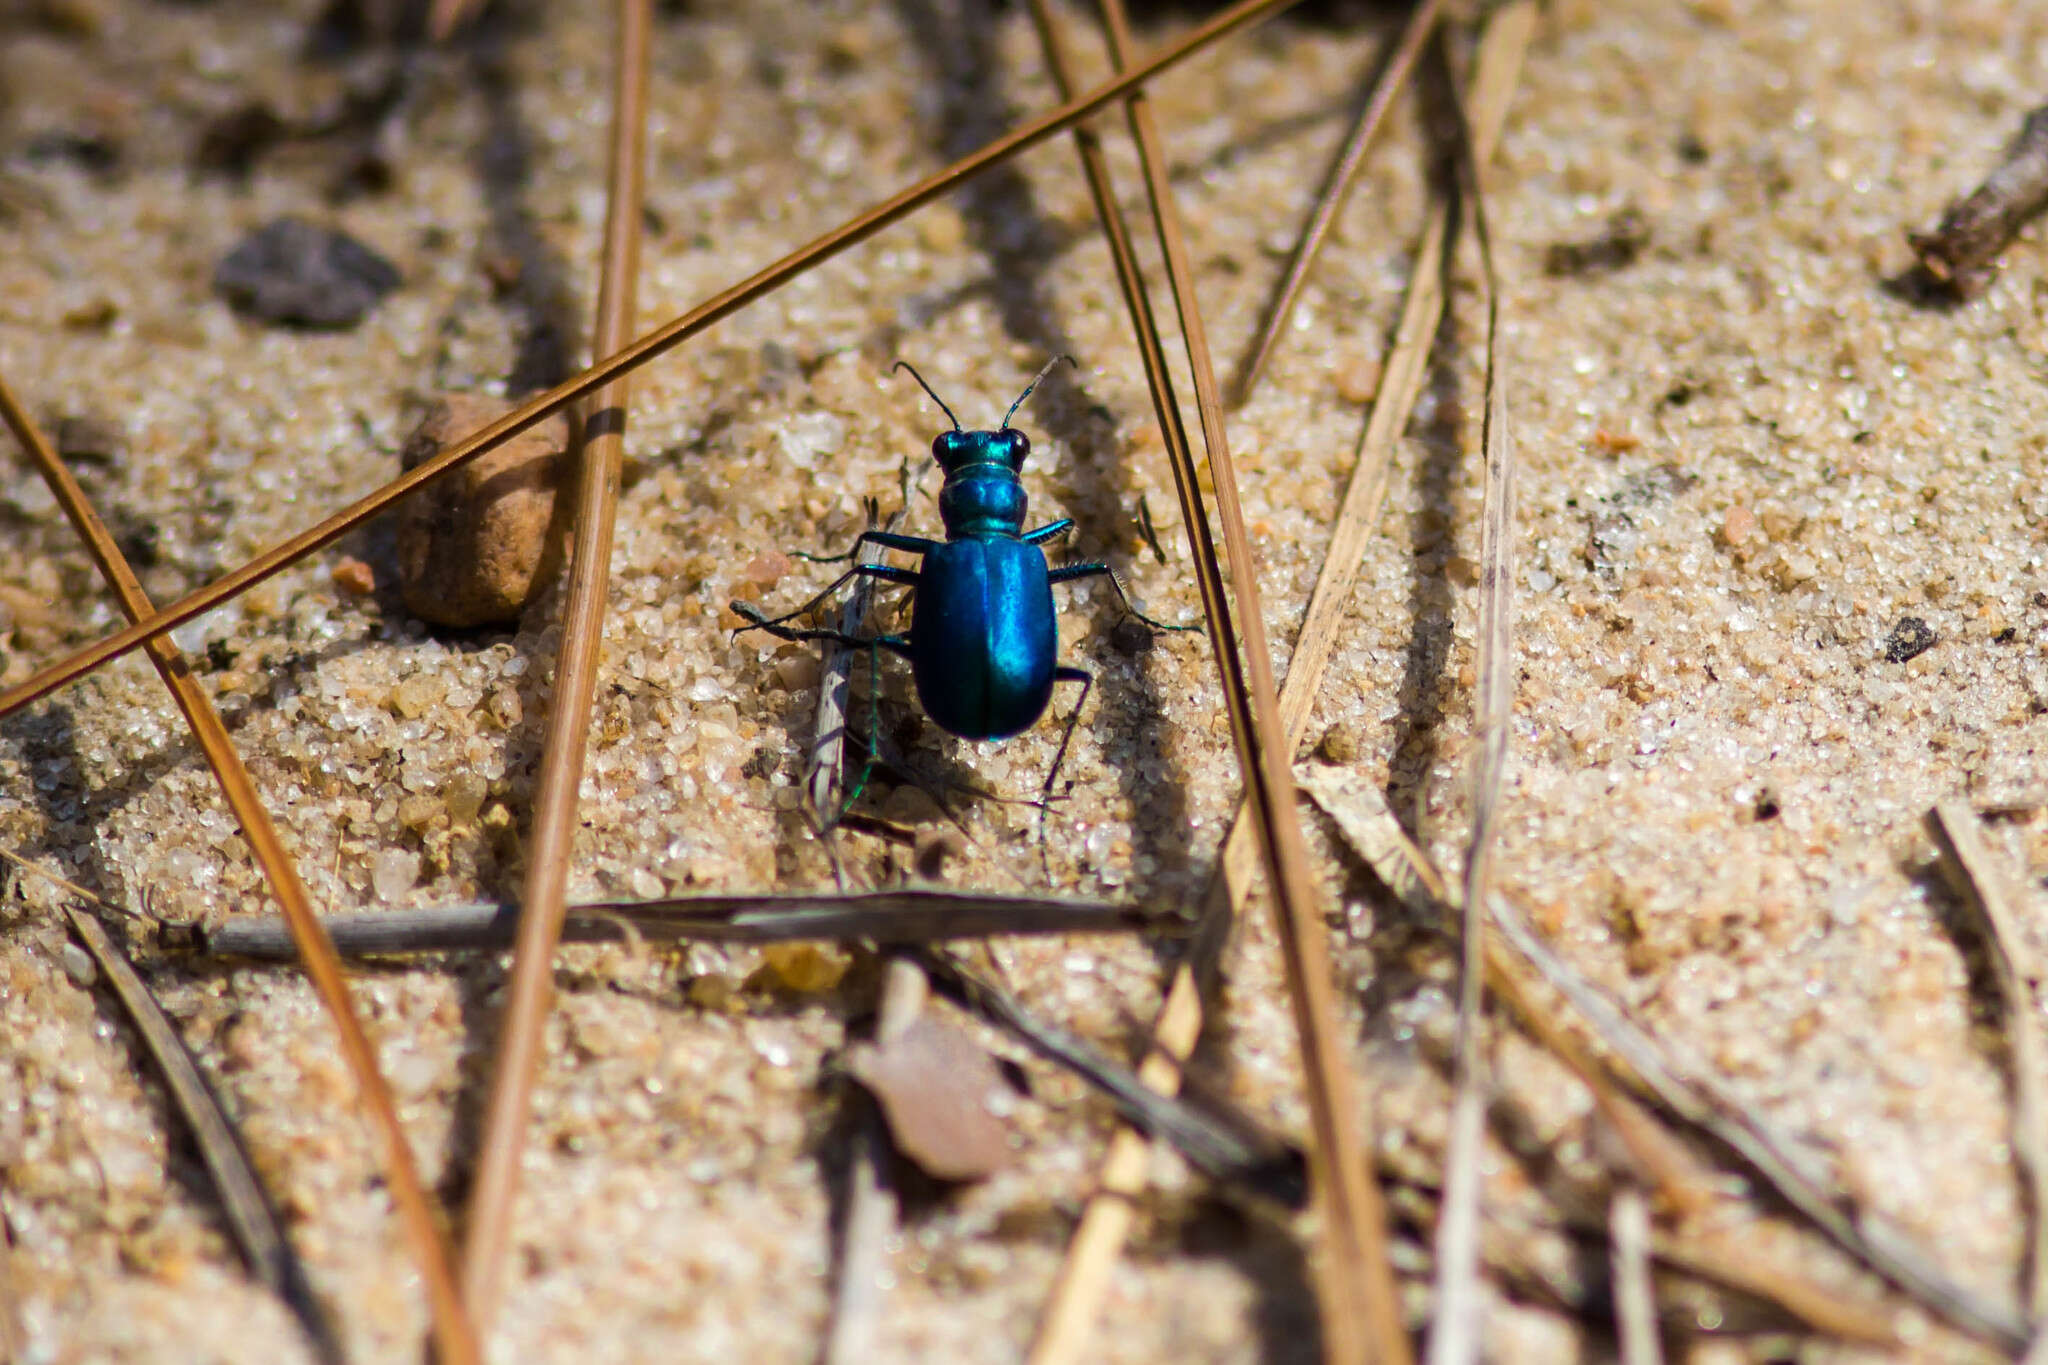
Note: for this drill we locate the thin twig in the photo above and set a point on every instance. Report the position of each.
(720, 306)
(251, 1214)
(544, 895)
(1360, 1301)
(1961, 255)
(1105, 1222)
(1982, 886)
(417, 1209)
(1455, 1328)
(1388, 79)
(1635, 1298)
(863, 1277)
(903, 915)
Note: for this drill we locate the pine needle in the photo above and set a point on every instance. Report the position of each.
(544, 897)
(417, 1208)
(1104, 1226)
(1387, 82)
(580, 386)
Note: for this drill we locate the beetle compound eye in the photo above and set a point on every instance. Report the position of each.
(946, 448)
(1016, 445)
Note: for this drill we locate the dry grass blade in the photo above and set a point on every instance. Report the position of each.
(824, 779)
(1387, 83)
(862, 1282)
(544, 896)
(251, 1216)
(903, 915)
(1635, 1297)
(416, 1207)
(715, 309)
(1360, 1302)
(1982, 886)
(1455, 1333)
(1106, 1221)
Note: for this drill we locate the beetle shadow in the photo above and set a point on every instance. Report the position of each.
(1007, 228)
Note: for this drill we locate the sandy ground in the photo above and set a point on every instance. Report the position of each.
(1744, 462)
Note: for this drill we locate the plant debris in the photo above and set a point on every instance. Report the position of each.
(1909, 639)
(298, 274)
(1616, 247)
(1961, 254)
(942, 1097)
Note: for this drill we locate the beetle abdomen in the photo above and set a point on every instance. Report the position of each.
(983, 643)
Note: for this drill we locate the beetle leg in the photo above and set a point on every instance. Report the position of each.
(1051, 531)
(1063, 673)
(888, 540)
(1067, 573)
(887, 573)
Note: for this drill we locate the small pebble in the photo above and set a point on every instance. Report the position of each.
(393, 873)
(1338, 745)
(90, 440)
(1358, 377)
(1909, 639)
(354, 577)
(79, 966)
(477, 544)
(298, 274)
(1738, 525)
(805, 968)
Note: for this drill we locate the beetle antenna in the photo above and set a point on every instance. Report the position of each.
(1034, 384)
(906, 365)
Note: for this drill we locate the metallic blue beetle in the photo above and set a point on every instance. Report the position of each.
(983, 645)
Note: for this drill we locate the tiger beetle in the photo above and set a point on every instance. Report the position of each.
(983, 644)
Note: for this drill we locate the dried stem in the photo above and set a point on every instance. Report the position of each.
(1455, 1332)
(862, 1282)
(1360, 1303)
(1961, 254)
(1392, 74)
(905, 915)
(544, 897)
(715, 309)
(251, 1214)
(417, 1209)
(1635, 1297)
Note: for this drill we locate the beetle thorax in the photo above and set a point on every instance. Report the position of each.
(982, 499)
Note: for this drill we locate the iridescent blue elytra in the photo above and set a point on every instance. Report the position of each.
(983, 644)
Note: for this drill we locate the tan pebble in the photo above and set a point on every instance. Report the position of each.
(1338, 745)
(767, 570)
(1738, 525)
(804, 968)
(1614, 442)
(941, 229)
(418, 694)
(477, 544)
(354, 577)
(417, 812)
(1358, 377)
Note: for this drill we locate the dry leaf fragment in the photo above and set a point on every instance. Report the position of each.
(942, 1098)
